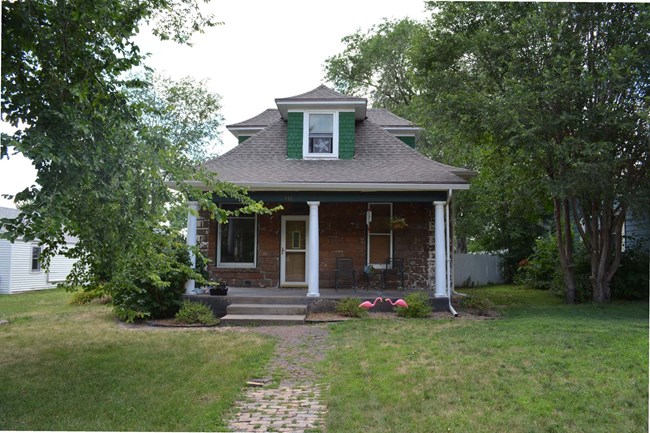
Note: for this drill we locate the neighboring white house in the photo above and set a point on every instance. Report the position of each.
(20, 267)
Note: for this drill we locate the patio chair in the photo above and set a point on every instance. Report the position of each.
(345, 273)
(394, 267)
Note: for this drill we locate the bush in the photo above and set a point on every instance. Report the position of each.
(85, 295)
(149, 281)
(481, 305)
(542, 269)
(631, 279)
(418, 306)
(349, 307)
(195, 313)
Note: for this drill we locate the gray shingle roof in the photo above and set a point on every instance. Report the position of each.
(380, 116)
(385, 118)
(321, 93)
(380, 158)
(262, 120)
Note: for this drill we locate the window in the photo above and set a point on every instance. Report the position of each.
(237, 242)
(380, 235)
(36, 255)
(320, 135)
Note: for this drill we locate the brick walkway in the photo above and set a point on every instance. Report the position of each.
(294, 406)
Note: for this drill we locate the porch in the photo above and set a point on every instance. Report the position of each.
(263, 305)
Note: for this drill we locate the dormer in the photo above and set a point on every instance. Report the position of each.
(321, 123)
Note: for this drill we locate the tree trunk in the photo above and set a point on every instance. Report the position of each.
(565, 247)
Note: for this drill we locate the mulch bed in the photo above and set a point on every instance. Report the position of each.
(172, 323)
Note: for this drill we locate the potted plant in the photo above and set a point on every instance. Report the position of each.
(218, 288)
(398, 223)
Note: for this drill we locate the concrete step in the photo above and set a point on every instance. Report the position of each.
(293, 300)
(267, 309)
(262, 319)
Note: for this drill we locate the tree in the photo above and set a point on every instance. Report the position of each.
(104, 151)
(561, 89)
(376, 64)
(380, 64)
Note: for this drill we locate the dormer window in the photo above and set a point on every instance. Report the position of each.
(321, 135)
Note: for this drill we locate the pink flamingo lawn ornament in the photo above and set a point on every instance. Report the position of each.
(398, 303)
(366, 305)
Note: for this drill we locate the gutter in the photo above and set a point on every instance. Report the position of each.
(331, 186)
(450, 288)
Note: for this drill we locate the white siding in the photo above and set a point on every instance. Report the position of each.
(5, 265)
(60, 267)
(22, 277)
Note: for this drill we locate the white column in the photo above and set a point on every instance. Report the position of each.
(312, 251)
(191, 240)
(441, 265)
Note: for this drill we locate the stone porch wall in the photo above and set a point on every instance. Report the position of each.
(342, 234)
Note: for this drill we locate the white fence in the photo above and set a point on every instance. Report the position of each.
(476, 270)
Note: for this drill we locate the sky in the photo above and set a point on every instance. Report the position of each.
(264, 50)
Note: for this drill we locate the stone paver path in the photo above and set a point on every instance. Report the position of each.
(294, 406)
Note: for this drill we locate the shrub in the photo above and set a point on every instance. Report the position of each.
(85, 295)
(631, 279)
(481, 305)
(195, 313)
(349, 307)
(418, 306)
(149, 281)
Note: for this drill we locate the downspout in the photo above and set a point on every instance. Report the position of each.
(449, 277)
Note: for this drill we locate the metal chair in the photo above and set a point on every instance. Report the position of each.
(345, 273)
(394, 266)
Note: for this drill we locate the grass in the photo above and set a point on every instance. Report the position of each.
(65, 367)
(543, 367)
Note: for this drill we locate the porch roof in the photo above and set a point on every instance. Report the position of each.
(382, 162)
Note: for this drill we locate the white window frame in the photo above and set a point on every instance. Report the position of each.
(38, 260)
(390, 252)
(335, 136)
(247, 265)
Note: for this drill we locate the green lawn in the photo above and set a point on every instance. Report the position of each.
(542, 367)
(65, 367)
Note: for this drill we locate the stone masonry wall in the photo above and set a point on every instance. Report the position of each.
(343, 233)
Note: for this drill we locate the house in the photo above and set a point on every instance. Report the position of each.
(344, 175)
(20, 267)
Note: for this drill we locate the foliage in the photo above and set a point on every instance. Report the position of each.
(481, 305)
(631, 282)
(69, 368)
(560, 89)
(107, 143)
(349, 307)
(82, 297)
(550, 364)
(418, 306)
(195, 313)
(150, 281)
(376, 64)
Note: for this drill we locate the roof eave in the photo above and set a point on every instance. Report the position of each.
(338, 187)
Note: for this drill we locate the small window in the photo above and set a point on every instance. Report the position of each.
(321, 133)
(36, 255)
(237, 242)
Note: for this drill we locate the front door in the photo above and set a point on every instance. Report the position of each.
(293, 251)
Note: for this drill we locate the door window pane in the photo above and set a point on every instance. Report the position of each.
(295, 267)
(379, 249)
(295, 235)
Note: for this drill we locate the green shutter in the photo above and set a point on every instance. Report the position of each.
(408, 140)
(346, 135)
(294, 135)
